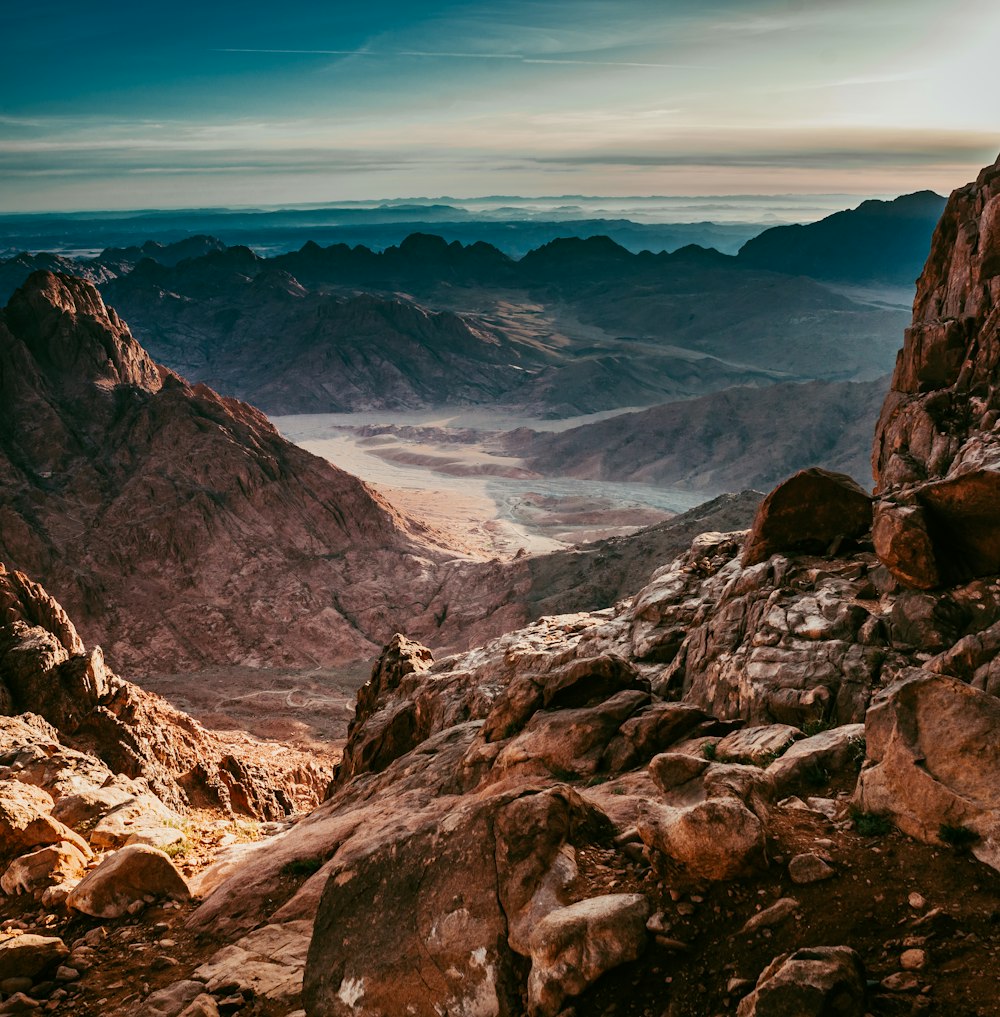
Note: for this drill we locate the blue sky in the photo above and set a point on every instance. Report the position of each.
(219, 103)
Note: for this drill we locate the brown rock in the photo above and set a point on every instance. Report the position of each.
(124, 878)
(817, 980)
(810, 868)
(808, 512)
(934, 760)
(29, 955)
(756, 744)
(830, 751)
(780, 911)
(904, 545)
(537, 841)
(573, 946)
(715, 839)
(34, 872)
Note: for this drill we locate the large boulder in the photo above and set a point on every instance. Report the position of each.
(822, 981)
(719, 838)
(127, 876)
(428, 887)
(808, 512)
(25, 956)
(573, 946)
(829, 752)
(48, 866)
(934, 760)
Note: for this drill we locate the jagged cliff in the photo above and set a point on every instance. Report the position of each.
(937, 451)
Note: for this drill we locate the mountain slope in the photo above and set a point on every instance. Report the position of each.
(175, 525)
(742, 437)
(877, 242)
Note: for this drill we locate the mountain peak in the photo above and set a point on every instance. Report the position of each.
(73, 337)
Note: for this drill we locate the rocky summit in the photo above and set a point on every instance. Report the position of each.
(765, 784)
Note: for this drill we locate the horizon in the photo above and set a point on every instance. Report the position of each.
(115, 110)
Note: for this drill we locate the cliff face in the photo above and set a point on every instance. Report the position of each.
(937, 450)
(178, 526)
(52, 688)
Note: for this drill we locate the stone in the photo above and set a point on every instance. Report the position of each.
(934, 760)
(48, 866)
(671, 770)
(427, 882)
(537, 841)
(917, 901)
(808, 512)
(267, 963)
(717, 839)
(201, 1006)
(172, 1000)
(901, 981)
(832, 752)
(811, 982)
(755, 745)
(913, 960)
(124, 879)
(19, 1003)
(810, 868)
(11, 985)
(573, 946)
(780, 911)
(26, 822)
(29, 955)
(903, 544)
(137, 820)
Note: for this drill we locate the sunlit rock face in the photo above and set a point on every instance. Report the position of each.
(937, 449)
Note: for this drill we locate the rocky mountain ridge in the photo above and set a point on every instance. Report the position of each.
(167, 517)
(573, 327)
(877, 242)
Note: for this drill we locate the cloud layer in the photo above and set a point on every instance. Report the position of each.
(237, 104)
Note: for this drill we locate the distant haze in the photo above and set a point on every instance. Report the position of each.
(113, 106)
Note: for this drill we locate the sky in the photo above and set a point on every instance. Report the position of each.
(220, 103)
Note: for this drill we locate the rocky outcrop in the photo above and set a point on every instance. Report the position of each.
(933, 761)
(808, 512)
(936, 454)
(112, 727)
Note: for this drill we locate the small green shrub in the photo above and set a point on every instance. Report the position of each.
(710, 751)
(302, 866)
(816, 775)
(176, 850)
(961, 838)
(816, 726)
(870, 824)
(857, 749)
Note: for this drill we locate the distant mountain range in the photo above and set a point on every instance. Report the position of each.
(877, 242)
(575, 326)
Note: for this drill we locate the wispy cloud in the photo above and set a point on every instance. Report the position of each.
(451, 55)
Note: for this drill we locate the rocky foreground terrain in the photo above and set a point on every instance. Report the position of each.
(766, 784)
